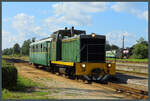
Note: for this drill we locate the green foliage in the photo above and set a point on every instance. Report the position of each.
(108, 47)
(24, 90)
(114, 47)
(140, 50)
(130, 60)
(25, 47)
(16, 49)
(9, 75)
(4, 63)
(23, 84)
(6, 94)
(7, 51)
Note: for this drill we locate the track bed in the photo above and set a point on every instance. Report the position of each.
(63, 88)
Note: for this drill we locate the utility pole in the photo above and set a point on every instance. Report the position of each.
(122, 45)
(123, 42)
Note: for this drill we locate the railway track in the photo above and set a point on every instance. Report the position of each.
(135, 93)
(132, 92)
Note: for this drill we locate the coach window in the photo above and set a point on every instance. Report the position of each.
(41, 47)
(36, 48)
(32, 48)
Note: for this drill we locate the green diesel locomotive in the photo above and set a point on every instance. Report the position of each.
(73, 53)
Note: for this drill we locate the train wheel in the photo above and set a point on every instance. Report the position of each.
(35, 65)
(52, 69)
(77, 77)
(89, 81)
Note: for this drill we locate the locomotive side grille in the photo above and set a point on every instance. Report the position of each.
(92, 50)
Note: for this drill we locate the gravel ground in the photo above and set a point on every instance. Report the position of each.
(63, 88)
(133, 80)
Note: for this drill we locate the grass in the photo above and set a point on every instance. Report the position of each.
(6, 63)
(25, 90)
(23, 84)
(22, 95)
(133, 60)
(26, 58)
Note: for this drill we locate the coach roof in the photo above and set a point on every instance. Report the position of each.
(41, 41)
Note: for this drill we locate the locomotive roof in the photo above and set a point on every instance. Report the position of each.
(41, 41)
(69, 31)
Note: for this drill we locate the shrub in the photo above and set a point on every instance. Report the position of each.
(4, 63)
(140, 51)
(9, 75)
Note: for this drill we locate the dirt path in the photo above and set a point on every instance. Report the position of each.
(63, 88)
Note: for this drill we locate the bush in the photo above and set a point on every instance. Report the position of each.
(4, 63)
(140, 51)
(9, 75)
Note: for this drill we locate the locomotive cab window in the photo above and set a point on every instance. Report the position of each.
(60, 36)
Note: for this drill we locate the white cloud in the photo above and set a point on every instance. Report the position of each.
(116, 38)
(5, 19)
(25, 25)
(74, 13)
(145, 15)
(132, 8)
(25, 28)
(8, 40)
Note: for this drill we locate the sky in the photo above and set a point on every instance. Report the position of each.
(25, 20)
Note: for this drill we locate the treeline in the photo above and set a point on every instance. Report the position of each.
(138, 50)
(111, 47)
(17, 50)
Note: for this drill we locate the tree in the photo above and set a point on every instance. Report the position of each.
(140, 50)
(25, 47)
(114, 47)
(142, 41)
(16, 49)
(7, 51)
(108, 47)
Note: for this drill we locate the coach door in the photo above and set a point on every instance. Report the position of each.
(49, 54)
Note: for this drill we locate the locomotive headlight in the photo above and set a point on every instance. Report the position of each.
(83, 65)
(109, 65)
(93, 35)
